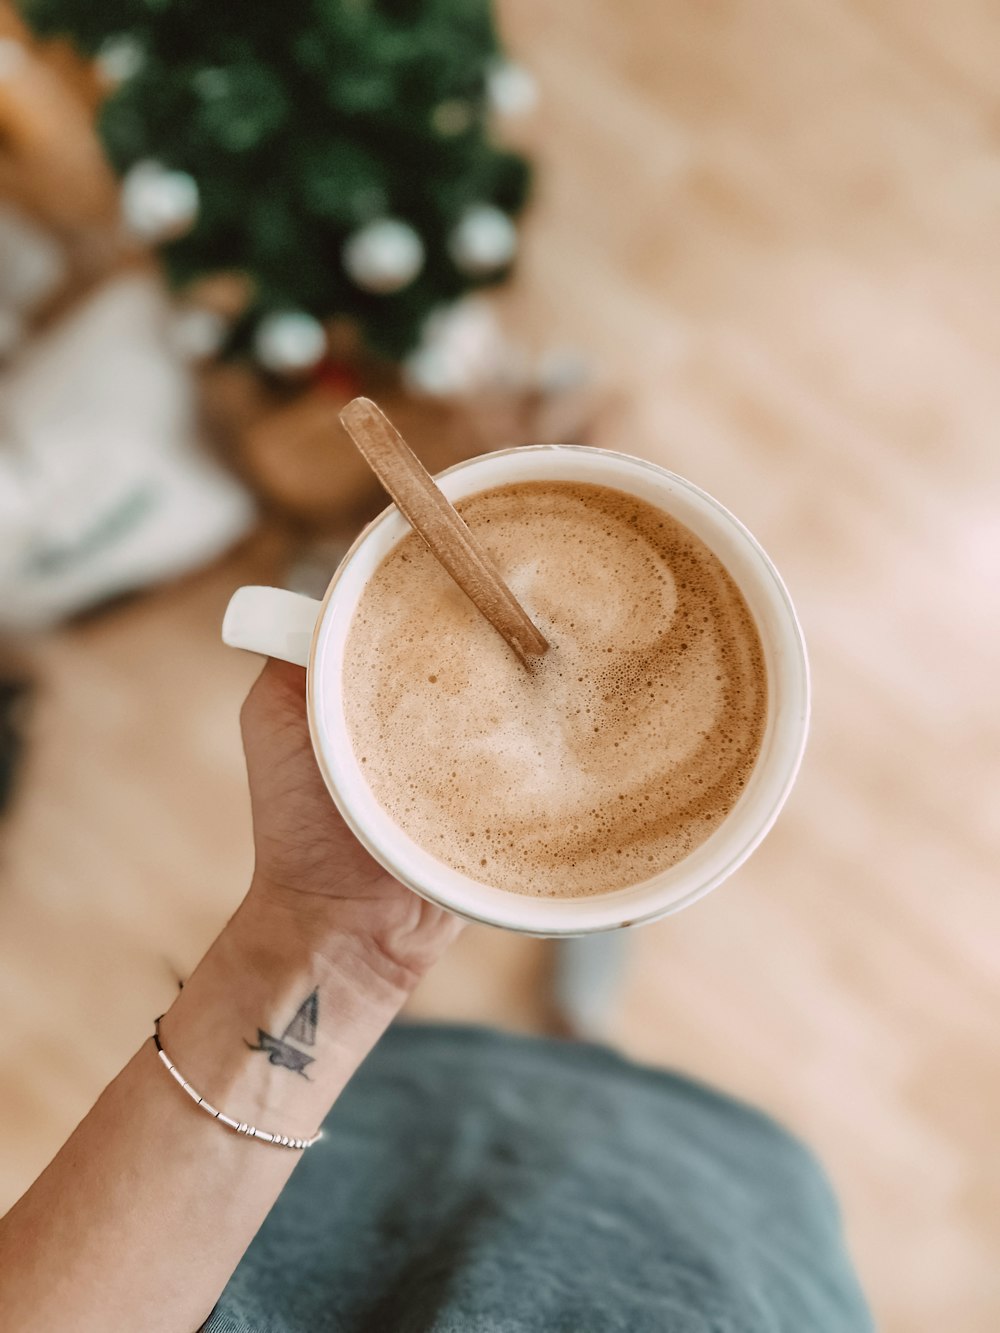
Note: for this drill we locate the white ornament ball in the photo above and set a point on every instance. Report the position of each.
(158, 204)
(461, 350)
(198, 334)
(484, 240)
(511, 89)
(384, 256)
(120, 58)
(430, 370)
(290, 343)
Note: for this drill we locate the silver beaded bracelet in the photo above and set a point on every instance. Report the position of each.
(238, 1126)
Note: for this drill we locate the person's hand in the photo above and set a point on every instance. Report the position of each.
(308, 862)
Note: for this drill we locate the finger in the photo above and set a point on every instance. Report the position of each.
(283, 678)
(276, 698)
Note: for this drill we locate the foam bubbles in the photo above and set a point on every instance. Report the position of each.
(617, 753)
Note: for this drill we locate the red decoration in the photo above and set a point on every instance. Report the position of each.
(337, 377)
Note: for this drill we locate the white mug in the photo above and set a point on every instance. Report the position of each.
(313, 634)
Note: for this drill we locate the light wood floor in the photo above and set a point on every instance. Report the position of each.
(777, 228)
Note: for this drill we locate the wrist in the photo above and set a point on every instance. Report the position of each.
(279, 1014)
(397, 935)
(326, 934)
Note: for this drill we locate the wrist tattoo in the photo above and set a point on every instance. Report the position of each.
(302, 1029)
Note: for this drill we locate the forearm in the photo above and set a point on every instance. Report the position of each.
(143, 1215)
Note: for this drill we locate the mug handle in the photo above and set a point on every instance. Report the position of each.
(271, 621)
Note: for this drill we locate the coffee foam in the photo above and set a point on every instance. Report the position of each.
(617, 753)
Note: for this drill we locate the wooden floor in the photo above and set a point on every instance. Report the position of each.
(777, 229)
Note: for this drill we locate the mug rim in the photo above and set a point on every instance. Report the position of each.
(655, 913)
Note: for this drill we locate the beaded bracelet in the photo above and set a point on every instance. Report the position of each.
(239, 1126)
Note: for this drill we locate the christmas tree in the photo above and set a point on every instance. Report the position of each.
(337, 152)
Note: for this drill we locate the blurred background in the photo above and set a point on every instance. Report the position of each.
(758, 245)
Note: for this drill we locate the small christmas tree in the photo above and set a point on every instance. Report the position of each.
(337, 152)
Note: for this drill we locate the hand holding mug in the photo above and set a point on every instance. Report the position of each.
(308, 862)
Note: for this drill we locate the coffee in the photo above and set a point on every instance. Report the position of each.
(613, 757)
